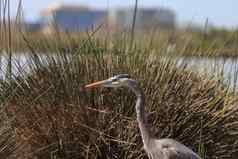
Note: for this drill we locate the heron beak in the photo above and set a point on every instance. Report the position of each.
(95, 84)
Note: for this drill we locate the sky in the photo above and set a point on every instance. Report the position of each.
(221, 13)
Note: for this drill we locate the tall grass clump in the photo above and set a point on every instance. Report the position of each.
(45, 112)
(50, 115)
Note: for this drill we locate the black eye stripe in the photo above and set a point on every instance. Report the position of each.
(123, 76)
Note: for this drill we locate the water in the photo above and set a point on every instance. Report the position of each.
(226, 68)
(20, 63)
(218, 68)
(209, 65)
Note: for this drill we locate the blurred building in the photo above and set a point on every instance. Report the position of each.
(72, 18)
(147, 18)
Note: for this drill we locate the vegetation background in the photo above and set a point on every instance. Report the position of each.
(46, 113)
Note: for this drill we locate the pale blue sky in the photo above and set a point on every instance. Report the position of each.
(219, 12)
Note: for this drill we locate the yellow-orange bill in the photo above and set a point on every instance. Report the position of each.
(95, 84)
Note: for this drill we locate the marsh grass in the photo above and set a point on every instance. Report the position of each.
(52, 116)
(171, 42)
(46, 113)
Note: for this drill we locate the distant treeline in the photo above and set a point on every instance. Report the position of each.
(214, 42)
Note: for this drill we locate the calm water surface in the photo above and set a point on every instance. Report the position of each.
(216, 67)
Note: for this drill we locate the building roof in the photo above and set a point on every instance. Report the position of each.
(59, 6)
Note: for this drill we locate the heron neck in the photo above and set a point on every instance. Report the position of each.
(141, 115)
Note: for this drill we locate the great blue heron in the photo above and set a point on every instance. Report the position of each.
(155, 148)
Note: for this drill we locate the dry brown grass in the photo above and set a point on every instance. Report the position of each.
(55, 118)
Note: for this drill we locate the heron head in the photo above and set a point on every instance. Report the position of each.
(122, 80)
